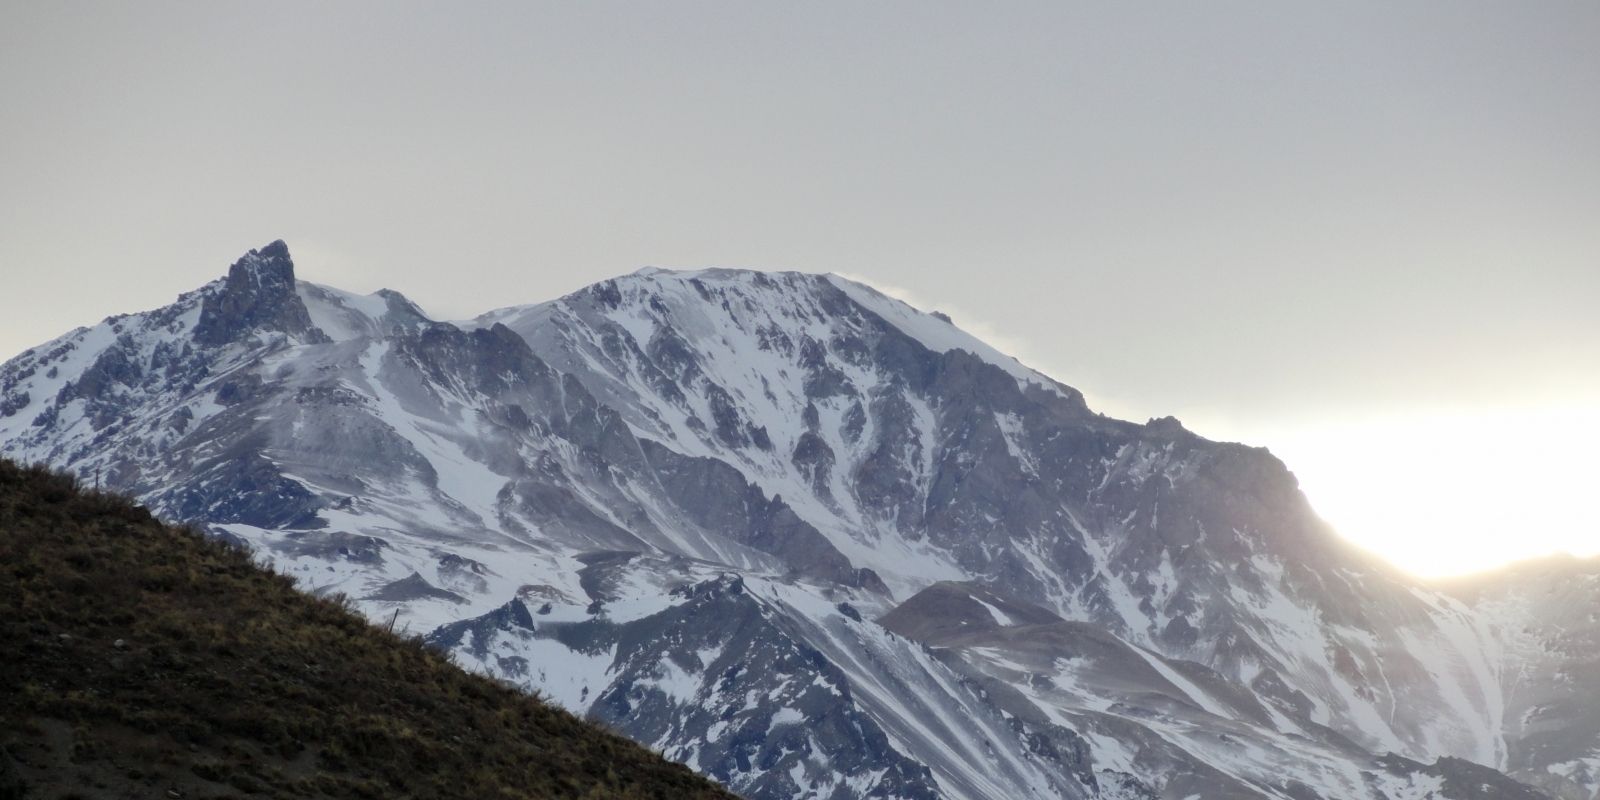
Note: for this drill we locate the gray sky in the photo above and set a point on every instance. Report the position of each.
(1260, 217)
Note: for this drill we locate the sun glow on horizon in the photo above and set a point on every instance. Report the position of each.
(1451, 494)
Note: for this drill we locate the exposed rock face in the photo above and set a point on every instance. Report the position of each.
(258, 295)
(679, 502)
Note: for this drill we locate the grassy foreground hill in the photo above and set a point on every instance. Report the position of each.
(142, 660)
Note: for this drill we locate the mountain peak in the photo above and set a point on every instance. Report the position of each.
(278, 249)
(258, 294)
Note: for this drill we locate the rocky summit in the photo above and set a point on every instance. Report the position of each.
(815, 543)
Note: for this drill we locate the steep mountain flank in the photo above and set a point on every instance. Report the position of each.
(141, 660)
(1545, 613)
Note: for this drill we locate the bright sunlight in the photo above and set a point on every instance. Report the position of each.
(1447, 495)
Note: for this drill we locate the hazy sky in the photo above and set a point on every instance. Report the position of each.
(1365, 235)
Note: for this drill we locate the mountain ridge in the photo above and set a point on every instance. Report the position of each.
(808, 436)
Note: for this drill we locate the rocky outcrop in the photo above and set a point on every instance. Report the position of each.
(258, 295)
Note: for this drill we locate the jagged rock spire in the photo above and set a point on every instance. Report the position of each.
(258, 294)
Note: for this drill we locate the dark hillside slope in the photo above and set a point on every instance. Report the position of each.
(142, 660)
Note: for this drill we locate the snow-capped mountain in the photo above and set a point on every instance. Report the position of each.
(816, 543)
